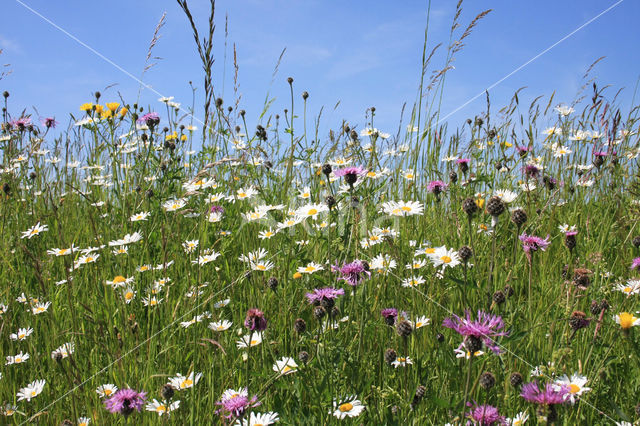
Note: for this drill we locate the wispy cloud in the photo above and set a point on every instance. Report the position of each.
(10, 46)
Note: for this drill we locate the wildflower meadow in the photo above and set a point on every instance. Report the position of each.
(252, 269)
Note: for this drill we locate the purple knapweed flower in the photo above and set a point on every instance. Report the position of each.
(550, 395)
(255, 320)
(390, 315)
(216, 209)
(125, 401)
(635, 263)
(485, 415)
(327, 293)
(151, 119)
(486, 328)
(49, 122)
(532, 243)
(234, 404)
(353, 273)
(531, 171)
(351, 174)
(21, 123)
(437, 186)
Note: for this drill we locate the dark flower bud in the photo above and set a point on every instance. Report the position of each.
(390, 355)
(326, 169)
(499, 297)
(519, 217)
(508, 290)
(5, 94)
(487, 380)
(98, 94)
(272, 283)
(290, 80)
(595, 307)
(404, 328)
(303, 356)
(495, 206)
(319, 312)
(167, 392)
(469, 206)
(218, 102)
(354, 135)
(636, 241)
(33, 175)
(465, 253)
(440, 337)
(305, 95)
(300, 326)
(578, 320)
(242, 113)
(453, 176)
(516, 379)
(473, 344)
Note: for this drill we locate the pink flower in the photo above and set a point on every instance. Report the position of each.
(124, 401)
(532, 243)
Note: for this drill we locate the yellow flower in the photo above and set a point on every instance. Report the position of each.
(297, 275)
(99, 108)
(86, 106)
(106, 113)
(183, 138)
(123, 111)
(113, 106)
(480, 203)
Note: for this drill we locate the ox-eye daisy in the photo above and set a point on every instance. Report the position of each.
(348, 407)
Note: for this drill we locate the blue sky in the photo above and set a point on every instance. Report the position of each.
(360, 53)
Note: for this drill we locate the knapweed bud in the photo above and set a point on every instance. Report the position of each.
(390, 356)
(300, 326)
(487, 380)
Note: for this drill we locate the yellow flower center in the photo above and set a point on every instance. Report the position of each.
(39, 309)
(627, 290)
(33, 393)
(129, 295)
(345, 407)
(186, 383)
(89, 259)
(161, 408)
(153, 302)
(418, 324)
(409, 176)
(573, 388)
(18, 360)
(253, 342)
(144, 268)
(261, 267)
(220, 327)
(309, 269)
(119, 279)
(312, 212)
(286, 369)
(107, 392)
(242, 194)
(626, 320)
(405, 208)
(174, 206)
(445, 259)
(400, 359)
(371, 174)
(21, 336)
(429, 250)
